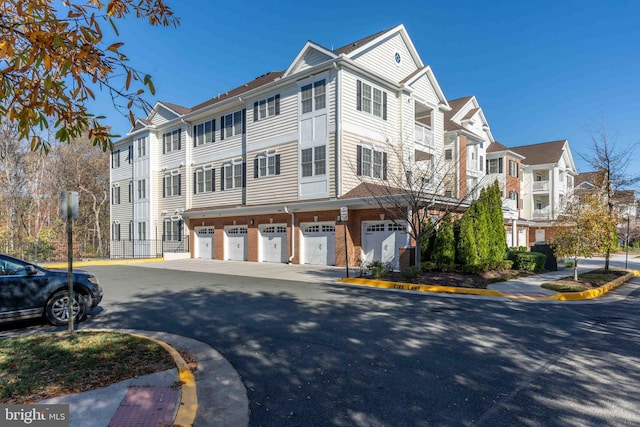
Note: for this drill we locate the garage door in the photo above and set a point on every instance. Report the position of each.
(204, 242)
(236, 243)
(318, 243)
(382, 240)
(273, 243)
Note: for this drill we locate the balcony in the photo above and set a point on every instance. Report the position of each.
(423, 137)
(544, 213)
(541, 186)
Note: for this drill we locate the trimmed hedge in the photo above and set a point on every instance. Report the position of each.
(528, 261)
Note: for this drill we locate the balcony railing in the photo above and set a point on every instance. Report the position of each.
(423, 136)
(544, 213)
(540, 185)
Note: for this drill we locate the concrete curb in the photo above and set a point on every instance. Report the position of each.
(188, 405)
(566, 296)
(593, 293)
(422, 288)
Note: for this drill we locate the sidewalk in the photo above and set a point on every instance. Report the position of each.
(221, 396)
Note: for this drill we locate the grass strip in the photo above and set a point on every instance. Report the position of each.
(37, 367)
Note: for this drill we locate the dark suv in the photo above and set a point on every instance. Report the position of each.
(27, 290)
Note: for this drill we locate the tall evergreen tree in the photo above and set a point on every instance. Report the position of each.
(445, 249)
(497, 236)
(481, 226)
(467, 252)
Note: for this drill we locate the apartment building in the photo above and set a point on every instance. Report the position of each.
(264, 171)
(548, 173)
(280, 169)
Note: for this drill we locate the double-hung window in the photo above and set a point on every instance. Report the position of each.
(204, 180)
(371, 100)
(266, 108)
(232, 124)
(314, 161)
(232, 175)
(172, 185)
(204, 133)
(115, 195)
(371, 162)
(115, 230)
(115, 159)
(171, 141)
(313, 97)
(267, 164)
(142, 231)
(172, 229)
(142, 189)
(141, 144)
(513, 168)
(494, 165)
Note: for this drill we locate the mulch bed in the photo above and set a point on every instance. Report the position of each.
(459, 280)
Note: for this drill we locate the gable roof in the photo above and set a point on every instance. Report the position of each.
(348, 48)
(175, 108)
(595, 178)
(495, 147)
(542, 153)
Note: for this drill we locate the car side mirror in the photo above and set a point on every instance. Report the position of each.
(30, 270)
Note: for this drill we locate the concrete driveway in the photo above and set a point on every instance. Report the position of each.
(293, 272)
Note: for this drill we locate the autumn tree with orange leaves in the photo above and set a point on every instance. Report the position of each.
(52, 53)
(584, 229)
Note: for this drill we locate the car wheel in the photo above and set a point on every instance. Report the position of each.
(57, 309)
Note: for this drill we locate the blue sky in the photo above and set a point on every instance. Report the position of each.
(541, 70)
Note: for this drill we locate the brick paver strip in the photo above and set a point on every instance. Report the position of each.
(146, 406)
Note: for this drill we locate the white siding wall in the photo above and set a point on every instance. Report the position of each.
(282, 126)
(285, 185)
(380, 59)
(311, 58)
(162, 116)
(363, 123)
(424, 90)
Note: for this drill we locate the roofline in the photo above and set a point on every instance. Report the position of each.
(397, 29)
(308, 45)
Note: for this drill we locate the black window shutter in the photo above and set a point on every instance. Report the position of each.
(277, 164)
(500, 165)
(180, 229)
(244, 120)
(164, 186)
(244, 174)
(221, 128)
(487, 168)
(213, 180)
(179, 184)
(179, 139)
(359, 96)
(255, 111)
(195, 183)
(222, 179)
(384, 166)
(359, 161)
(277, 104)
(384, 105)
(213, 130)
(194, 136)
(164, 143)
(255, 167)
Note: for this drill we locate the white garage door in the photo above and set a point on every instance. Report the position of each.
(204, 242)
(318, 243)
(382, 240)
(273, 243)
(236, 243)
(522, 237)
